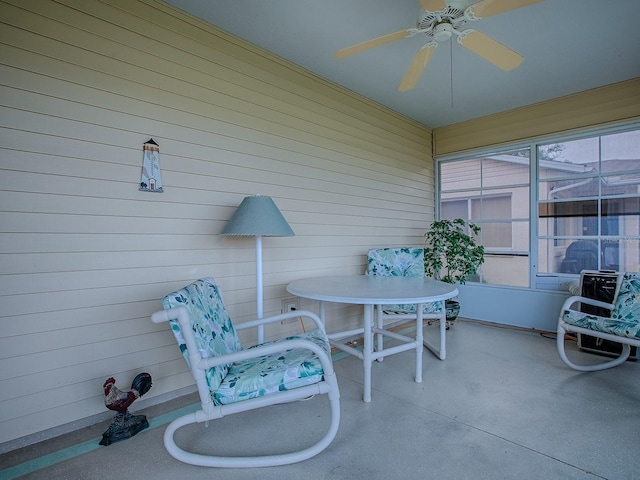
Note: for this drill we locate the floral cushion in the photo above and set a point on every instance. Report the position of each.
(627, 306)
(212, 327)
(214, 334)
(396, 262)
(400, 262)
(260, 376)
(625, 316)
(428, 308)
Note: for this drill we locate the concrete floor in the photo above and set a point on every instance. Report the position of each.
(501, 406)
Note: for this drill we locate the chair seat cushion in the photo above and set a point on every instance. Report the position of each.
(427, 309)
(263, 375)
(613, 326)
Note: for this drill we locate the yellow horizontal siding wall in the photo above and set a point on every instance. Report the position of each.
(86, 256)
(599, 106)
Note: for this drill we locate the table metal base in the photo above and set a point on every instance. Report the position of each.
(368, 355)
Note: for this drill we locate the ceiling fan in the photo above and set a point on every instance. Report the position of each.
(439, 20)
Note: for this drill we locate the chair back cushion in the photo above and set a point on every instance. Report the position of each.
(396, 262)
(400, 262)
(212, 328)
(627, 305)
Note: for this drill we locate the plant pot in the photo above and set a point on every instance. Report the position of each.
(453, 309)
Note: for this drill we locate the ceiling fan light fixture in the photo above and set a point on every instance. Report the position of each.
(442, 32)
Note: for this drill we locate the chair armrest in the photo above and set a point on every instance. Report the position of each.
(171, 314)
(182, 315)
(279, 318)
(175, 313)
(588, 301)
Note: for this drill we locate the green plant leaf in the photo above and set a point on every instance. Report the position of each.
(451, 253)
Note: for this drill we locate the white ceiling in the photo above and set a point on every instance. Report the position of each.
(569, 46)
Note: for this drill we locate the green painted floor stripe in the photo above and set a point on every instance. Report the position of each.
(84, 447)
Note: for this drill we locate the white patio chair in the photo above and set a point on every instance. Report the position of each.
(233, 380)
(405, 262)
(622, 326)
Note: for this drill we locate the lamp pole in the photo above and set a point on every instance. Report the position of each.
(258, 217)
(259, 287)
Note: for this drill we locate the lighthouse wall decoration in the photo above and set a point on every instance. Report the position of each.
(151, 180)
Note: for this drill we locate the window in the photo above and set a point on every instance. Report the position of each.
(586, 212)
(589, 204)
(493, 192)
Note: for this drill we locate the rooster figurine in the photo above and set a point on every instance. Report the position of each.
(124, 424)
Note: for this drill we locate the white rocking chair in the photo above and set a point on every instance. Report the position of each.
(622, 326)
(232, 380)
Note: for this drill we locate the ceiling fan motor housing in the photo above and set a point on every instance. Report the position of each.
(442, 24)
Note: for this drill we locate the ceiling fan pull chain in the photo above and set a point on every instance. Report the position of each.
(451, 70)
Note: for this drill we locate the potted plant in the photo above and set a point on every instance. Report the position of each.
(452, 255)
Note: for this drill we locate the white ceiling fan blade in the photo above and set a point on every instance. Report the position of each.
(375, 42)
(489, 8)
(489, 49)
(417, 66)
(433, 5)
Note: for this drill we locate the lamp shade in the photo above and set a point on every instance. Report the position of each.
(258, 216)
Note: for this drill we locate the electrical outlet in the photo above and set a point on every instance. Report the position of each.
(290, 305)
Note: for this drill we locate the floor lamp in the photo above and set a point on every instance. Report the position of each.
(258, 216)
